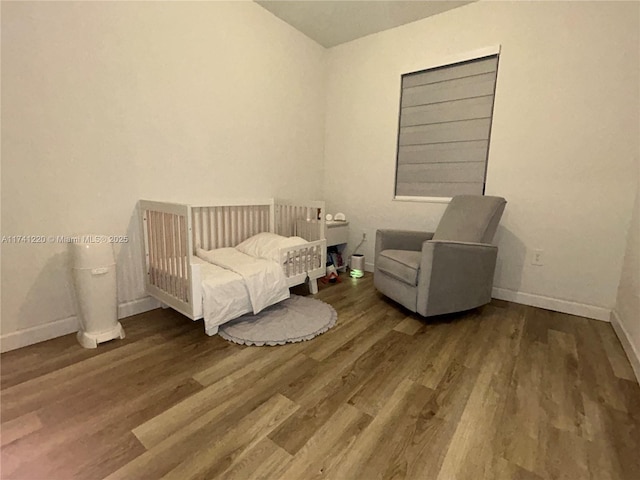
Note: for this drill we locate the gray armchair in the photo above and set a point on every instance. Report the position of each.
(450, 270)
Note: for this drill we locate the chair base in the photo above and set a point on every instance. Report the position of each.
(396, 290)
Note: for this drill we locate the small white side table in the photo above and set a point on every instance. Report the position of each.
(337, 235)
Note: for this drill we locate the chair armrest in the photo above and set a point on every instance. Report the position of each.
(400, 240)
(455, 276)
(473, 244)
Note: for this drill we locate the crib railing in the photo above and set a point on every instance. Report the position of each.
(167, 249)
(303, 259)
(227, 226)
(306, 221)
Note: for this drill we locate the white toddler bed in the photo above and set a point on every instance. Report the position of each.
(175, 233)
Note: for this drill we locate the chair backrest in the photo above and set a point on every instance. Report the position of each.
(471, 218)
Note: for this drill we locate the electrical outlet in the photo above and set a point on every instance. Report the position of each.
(537, 257)
(364, 236)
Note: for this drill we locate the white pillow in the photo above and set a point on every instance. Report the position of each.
(267, 245)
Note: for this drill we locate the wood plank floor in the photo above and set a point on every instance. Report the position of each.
(502, 392)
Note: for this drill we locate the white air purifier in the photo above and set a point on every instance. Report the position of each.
(94, 278)
(356, 264)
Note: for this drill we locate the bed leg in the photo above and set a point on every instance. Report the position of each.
(212, 331)
(313, 286)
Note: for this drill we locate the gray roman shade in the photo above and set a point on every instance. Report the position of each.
(445, 123)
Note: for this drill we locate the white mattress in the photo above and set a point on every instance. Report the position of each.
(224, 296)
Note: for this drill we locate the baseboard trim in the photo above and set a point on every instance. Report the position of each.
(625, 339)
(555, 304)
(127, 309)
(37, 334)
(65, 326)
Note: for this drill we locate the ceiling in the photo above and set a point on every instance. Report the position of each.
(331, 23)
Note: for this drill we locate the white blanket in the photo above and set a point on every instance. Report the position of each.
(264, 279)
(224, 296)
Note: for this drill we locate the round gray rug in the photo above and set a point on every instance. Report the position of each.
(293, 320)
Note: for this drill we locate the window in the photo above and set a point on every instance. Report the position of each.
(444, 129)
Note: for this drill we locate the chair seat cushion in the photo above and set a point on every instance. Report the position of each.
(401, 264)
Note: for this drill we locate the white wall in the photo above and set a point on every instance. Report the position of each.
(104, 103)
(626, 314)
(563, 149)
